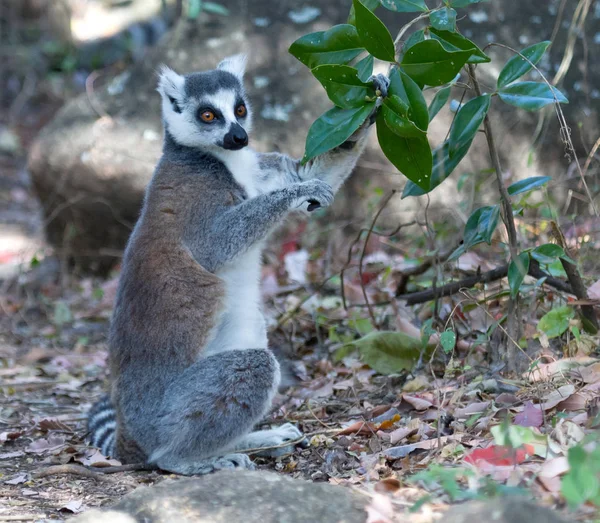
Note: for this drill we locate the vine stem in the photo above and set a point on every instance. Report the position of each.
(509, 222)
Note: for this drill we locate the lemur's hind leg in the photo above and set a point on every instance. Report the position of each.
(211, 406)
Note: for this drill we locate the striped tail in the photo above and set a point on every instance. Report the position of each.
(102, 426)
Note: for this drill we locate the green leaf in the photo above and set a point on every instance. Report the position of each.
(465, 3)
(404, 87)
(531, 96)
(517, 270)
(467, 122)
(217, 9)
(338, 45)
(373, 33)
(365, 68)
(448, 340)
(444, 19)
(333, 128)
(428, 63)
(194, 9)
(389, 352)
(479, 228)
(395, 115)
(556, 322)
(547, 253)
(457, 42)
(582, 482)
(439, 100)
(517, 66)
(527, 185)
(411, 156)
(343, 86)
(443, 165)
(371, 5)
(62, 313)
(415, 38)
(405, 6)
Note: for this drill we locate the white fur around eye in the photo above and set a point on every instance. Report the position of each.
(235, 65)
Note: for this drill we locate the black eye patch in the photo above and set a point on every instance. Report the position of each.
(174, 104)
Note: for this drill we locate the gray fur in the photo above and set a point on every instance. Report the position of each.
(191, 370)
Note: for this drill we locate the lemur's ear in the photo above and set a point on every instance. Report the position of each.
(171, 84)
(235, 65)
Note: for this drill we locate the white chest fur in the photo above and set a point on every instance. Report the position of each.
(242, 324)
(243, 165)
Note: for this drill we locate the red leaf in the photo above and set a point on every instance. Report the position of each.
(500, 456)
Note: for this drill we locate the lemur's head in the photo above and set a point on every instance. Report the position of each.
(207, 109)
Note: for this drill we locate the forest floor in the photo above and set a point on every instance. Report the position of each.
(440, 427)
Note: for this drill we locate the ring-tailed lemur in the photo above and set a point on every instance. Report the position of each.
(190, 367)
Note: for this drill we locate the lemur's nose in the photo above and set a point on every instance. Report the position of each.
(236, 138)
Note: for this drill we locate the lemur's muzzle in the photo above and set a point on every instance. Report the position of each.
(236, 138)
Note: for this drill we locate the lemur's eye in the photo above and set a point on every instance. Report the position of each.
(241, 110)
(207, 116)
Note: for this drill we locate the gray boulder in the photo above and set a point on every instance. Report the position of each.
(235, 496)
(266, 497)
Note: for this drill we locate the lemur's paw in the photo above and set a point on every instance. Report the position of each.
(381, 84)
(278, 437)
(316, 192)
(233, 461)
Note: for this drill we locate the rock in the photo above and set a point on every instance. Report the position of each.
(231, 496)
(90, 171)
(502, 510)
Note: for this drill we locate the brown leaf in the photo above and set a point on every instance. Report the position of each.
(95, 458)
(53, 424)
(388, 485)
(9, 436)
(417, 402)
(359, 427)
(558, 395)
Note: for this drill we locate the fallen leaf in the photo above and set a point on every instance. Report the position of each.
(558, 395)
(380, 510)
(53, 424)
(359, 427)
(499, 455)
(45, 445)
(8, 455)
(95, 458)
(594, 291)
(404, 450)
(531, 416)
(17, 480)
(74, 506)
(417, 402)
(401, 433)
(472, 408)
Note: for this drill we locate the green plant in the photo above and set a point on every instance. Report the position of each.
(342, 58)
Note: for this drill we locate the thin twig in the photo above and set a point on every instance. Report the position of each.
(383, 205)
(509, 222)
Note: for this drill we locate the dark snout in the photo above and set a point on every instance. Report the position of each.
(236, 138)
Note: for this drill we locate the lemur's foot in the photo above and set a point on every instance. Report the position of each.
(206, 466)
(233, 461)
(279, 436)
(381, 84)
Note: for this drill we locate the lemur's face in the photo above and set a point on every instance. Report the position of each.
(207, 109)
